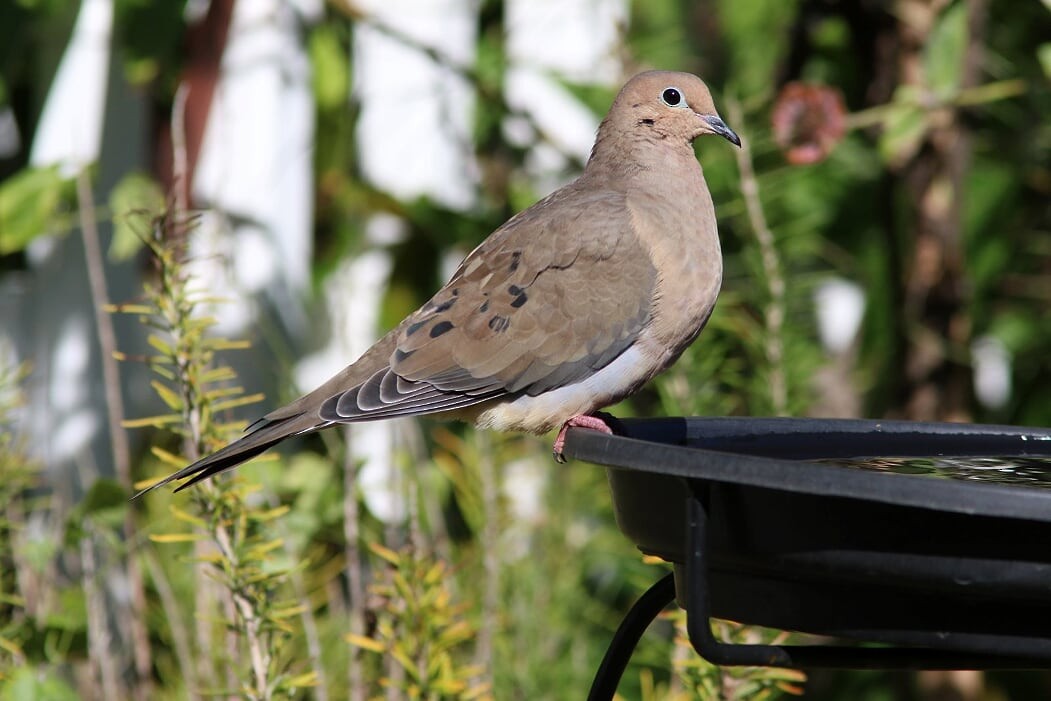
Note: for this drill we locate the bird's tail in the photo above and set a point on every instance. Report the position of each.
(262, 436)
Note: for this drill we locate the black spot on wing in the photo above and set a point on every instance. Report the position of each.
(519, 300)
(499, 323)
(414, 327)
(440, 328)
(516, 259)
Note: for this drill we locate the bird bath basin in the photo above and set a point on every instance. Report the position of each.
(932, 541)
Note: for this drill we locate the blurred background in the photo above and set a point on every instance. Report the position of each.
(300, 175)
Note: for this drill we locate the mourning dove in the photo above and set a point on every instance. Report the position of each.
(570, 306)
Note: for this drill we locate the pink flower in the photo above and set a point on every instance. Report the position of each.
(808, 122)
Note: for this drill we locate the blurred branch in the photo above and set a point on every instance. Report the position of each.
(775, 282)
(104, 328)
(99, 640)
(357, 609)
(490, 547)
(967, 97)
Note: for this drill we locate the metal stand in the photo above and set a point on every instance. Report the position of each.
(645, 610)
(698, 626)
(698, 607)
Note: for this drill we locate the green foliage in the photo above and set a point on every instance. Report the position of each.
(17, 475)
(421, 629)
(945, 52)
(27, 684)
(706, 681)
(241, 559)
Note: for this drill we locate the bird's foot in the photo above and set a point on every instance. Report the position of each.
(599, 421)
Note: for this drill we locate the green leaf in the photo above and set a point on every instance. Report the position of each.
(944, 53)
(134, 202)
(904, 127)
(331, 74)
(28, 203)
(34, 684)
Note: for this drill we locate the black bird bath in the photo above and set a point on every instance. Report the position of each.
(914, 545)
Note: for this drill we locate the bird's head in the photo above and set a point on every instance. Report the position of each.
(669, 105)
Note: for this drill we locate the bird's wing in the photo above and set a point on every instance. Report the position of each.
(550, 298)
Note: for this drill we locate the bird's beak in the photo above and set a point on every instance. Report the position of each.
(718, 126)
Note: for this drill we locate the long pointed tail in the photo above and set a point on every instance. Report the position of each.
(265, 435)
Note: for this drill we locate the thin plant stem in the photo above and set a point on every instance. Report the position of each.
(99, 639)
(355, 577)
(310, 628)
(775, 281)
(104, 327)
(490, 556)
(174, 617)
(121, 452)
(257, 640)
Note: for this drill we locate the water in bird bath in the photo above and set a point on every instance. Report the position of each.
(1007, 471)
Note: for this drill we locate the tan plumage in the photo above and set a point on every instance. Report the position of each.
(570, 306)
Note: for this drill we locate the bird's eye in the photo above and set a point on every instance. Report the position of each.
(672, 97)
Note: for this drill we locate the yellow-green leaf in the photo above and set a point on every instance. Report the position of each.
(303, 680)
(167, 457)
(364, 642)
(175, 537)
(385, 553)
(167, 395)
(159, 344)
(164, 420)
(187, 517)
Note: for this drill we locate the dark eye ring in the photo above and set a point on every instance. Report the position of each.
(671, 97)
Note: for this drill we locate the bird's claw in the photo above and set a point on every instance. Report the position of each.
(591, 421)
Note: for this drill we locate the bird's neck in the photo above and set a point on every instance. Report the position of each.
(634, 159)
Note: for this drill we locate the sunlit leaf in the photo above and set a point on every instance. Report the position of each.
(31, 683)
(175, 537)
(167, 395)
(330, 74)
(386, 553)
(365, 643)
(29, 200)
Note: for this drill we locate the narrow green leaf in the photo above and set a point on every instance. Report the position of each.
(160, 345)
(156, 421)
(175, 537)
(944, 52)
(167, 395)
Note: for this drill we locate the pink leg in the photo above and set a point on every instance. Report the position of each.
(584, 421)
